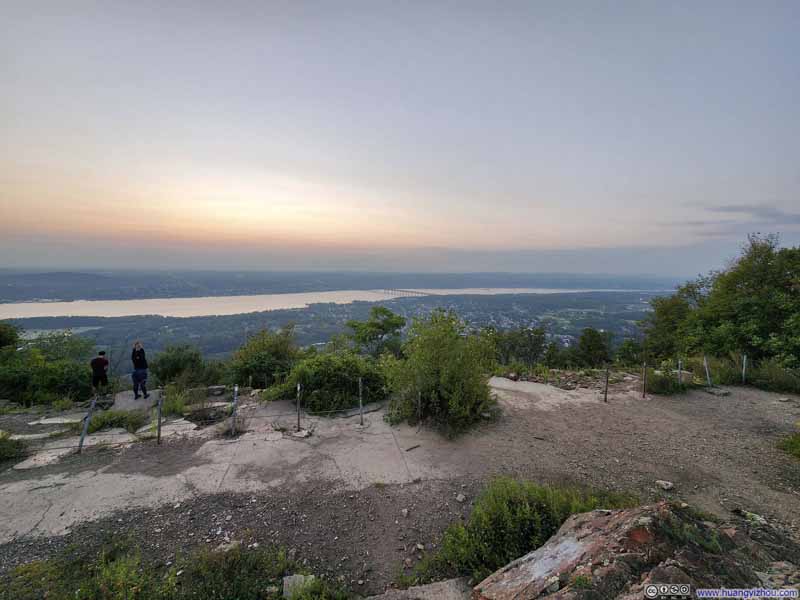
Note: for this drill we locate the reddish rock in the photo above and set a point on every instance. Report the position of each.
(614, 554)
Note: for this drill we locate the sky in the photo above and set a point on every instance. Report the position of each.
(611, 137)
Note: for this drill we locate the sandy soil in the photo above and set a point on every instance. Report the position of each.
(337, 497)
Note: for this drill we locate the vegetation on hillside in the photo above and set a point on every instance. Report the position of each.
(120, 572)
(46, 369)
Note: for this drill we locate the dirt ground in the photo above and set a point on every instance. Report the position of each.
(355, 501)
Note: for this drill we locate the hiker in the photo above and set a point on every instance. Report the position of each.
(139, 371)
(99, 366)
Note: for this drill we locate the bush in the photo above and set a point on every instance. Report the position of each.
(444, 375)
(120, 573)
(130, 420)
(10, 449)
(182, 363)
(330, 381)
(666, 383)
(46, 369)
(511, 518)
(791, 444)
(266, 358)
(174, 401)
(771, 375)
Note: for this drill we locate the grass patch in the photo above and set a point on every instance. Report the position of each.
(174, 401)
(791, 444)
(118, 572)
(687, 529)
(510, 519)
(10, 449)
(129, 420)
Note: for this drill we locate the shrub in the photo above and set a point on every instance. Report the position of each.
(791, 444)
(666, 383)
(771, 375)
(330, 381)
(444, 375)
(119, 573)
(266, 358)
(511, 518)
(46, 369)
(10, 449)
(183, 362)
(130, 420)
(174, 401)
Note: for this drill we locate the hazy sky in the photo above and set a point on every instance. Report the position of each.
(534, 136)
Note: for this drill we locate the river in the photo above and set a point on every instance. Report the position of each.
(233, 305)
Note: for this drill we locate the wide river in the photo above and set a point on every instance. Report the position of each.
(234, 305)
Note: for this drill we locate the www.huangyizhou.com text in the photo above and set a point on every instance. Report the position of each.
(747, 593)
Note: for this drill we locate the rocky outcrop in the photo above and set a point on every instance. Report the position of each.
(615, 554)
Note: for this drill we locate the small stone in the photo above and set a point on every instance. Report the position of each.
(404, 512)
(228, 518)
(360, 582)
(553, 584)
(303, 433)
(420, 547)
(664, 485)
(461, 498)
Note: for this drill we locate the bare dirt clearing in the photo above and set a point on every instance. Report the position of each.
(338, 496)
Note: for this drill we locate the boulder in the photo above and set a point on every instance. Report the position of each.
(616, 554)
(451, 589)
(216, 390)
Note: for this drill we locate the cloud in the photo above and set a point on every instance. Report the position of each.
(759, 214)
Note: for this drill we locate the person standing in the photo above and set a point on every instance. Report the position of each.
(139, 371)
(99, 366)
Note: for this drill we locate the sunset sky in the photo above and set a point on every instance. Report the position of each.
(617, 137)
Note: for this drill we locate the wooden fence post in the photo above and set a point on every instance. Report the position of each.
(744, 369)
(605, 391)
(708, 373)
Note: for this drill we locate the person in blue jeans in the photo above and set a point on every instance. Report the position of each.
(139, 371)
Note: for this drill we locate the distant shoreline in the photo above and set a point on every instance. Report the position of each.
(218, 305)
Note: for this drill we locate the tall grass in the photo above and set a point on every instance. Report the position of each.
(130, 420)
(120, 573)
(10, 449)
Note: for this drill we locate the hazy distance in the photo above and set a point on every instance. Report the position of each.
(613, 137)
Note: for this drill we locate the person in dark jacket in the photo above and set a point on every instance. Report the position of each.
(99, 373)
(139, 371)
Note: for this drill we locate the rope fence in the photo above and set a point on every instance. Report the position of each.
(235, 414)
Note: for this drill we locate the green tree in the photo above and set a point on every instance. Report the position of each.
(9, 335)
(629, 353)
(445, 370)
(380, 333)
(525, 344)
(46, 369)
(267, 357)
(594, 348)
(750, 307)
